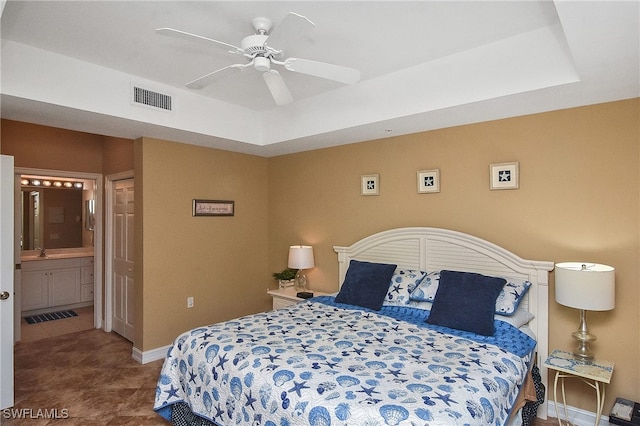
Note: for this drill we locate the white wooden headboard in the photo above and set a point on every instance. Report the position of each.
(434, 249)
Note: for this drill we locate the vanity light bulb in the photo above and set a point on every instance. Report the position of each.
(57, 184)
(77, 185)
(24, 181)
(46, 183)
(68, 184)
(35, 182)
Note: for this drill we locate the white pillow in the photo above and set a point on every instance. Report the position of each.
(520, 317)
(511, 295)
(427, 288)
(403, 282)
(506, 304)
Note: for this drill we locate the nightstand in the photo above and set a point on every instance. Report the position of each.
(596, 373)
(287, 296)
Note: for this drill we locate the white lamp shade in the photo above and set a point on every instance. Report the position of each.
(301, 257)
(588, 286)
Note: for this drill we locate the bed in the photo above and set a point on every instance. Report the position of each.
(426, 353)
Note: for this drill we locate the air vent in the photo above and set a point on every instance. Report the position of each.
(152, 99)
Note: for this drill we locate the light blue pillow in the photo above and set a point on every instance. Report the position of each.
(427, 288)
(403, 282)
(511, 295)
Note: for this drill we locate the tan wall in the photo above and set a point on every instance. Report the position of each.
(117, 155)
(220, 261)
(578, 200)
(43, 147)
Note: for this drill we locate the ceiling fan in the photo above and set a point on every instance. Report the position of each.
(264, 49)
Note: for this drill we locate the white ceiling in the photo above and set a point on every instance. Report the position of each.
(424, 65)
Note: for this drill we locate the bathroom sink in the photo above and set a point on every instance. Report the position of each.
(29, 258)
(53, 256)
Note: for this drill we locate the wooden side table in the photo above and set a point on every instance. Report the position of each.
(283, 297)
(595, 373)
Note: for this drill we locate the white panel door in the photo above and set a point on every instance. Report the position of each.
(6, 281)
(123, 282)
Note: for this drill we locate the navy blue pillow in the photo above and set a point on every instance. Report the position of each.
(466, 301)
(366, 284)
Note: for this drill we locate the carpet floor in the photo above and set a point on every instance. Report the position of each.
(87, 378)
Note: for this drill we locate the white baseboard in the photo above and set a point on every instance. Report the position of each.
(577, 416)
(149, 356)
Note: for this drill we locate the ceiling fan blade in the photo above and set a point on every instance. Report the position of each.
(292, 27)
(277, 87)
(216, 75)
(189, 36)
(324, 70)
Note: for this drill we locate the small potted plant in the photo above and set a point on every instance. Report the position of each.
(286, 277)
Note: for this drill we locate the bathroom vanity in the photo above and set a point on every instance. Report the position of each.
(59, 280)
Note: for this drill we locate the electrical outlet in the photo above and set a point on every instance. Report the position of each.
(189, 302)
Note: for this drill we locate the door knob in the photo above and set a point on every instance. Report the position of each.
(4, 295)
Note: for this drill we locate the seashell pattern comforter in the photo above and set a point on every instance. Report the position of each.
(323, 363)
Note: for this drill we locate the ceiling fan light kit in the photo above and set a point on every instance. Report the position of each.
(262, 55)
(262, 64)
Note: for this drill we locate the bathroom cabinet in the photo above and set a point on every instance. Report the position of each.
(50, 283)
(86, 279)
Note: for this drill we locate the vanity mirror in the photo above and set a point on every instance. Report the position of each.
(57, 212)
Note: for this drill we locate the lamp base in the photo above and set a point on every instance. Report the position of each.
(583, 337)
(301, 281)
(583, 352)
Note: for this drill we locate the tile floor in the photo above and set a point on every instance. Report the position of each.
(32, 332)
(85, 378)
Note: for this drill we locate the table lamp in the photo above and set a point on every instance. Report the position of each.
(587, 287)
(301, 258)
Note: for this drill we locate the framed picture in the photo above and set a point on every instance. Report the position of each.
(213, 208)
(504, 176)
(428, 181)
(370, 184)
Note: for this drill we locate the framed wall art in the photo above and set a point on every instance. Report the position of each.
(370, 184)
(428, 181)
(213, 208)
(504, 176)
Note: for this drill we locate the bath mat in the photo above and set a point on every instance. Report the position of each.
(34, 319)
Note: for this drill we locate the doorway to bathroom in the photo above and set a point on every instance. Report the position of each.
(60, 263)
